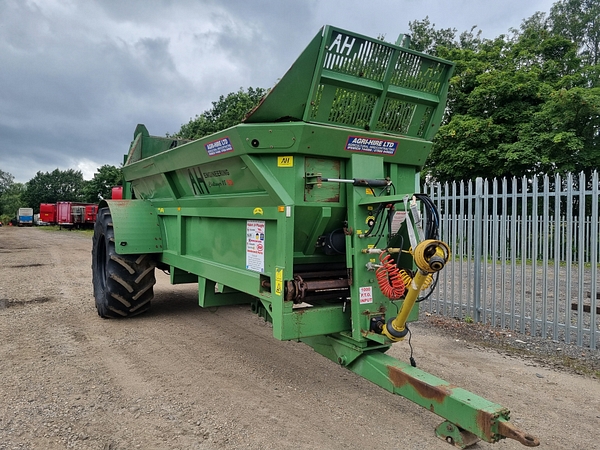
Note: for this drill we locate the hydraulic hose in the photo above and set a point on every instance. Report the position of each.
(388, 277)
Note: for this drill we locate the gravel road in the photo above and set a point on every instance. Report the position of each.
(183, 377)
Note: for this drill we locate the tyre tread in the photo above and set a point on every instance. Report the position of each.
(123, 284)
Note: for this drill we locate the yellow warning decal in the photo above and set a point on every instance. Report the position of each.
(278, 281)
(285, 161)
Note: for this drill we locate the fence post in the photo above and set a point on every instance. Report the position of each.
(477, 249)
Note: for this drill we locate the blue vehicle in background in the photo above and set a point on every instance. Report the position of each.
(25, 217)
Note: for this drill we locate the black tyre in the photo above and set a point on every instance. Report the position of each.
(123, 284)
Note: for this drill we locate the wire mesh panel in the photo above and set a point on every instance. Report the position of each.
(419, 73)
(350, 80)
(377, 86)
(396, 116)
(362, 58)
(345, 106)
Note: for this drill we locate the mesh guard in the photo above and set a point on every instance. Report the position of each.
(350, 80)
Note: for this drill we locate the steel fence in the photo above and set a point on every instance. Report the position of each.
(525, 255)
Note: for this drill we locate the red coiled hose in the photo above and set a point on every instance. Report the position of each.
(388, 277)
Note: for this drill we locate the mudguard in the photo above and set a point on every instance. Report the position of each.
(136, 226)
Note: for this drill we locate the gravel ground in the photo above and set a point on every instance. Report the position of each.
(547, 352)
(514, 296)
(183, 377)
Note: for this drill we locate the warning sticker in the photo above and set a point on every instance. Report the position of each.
(255, 245)
(217, 147)
(368, 145)
(278, 281)
(366, 294)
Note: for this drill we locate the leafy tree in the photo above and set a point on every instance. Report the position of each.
(518, 105)
(10, 196)
(11, 201)
(579, 21)
(426, 38)
(226, 112)
(102, 183)
(565, 130)
(52, 187)
(6, 180)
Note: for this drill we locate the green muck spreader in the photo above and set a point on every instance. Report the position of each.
(307, 212)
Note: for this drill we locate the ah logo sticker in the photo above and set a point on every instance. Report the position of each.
(285, 161)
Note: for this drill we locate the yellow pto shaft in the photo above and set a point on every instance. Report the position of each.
(430, 256)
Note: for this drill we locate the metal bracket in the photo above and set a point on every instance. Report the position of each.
(313, 179)
(455, 435)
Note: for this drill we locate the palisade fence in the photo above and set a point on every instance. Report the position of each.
(524, 255)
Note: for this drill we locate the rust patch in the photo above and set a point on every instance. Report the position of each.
(510, 431)
(485, 421)
(436, 393)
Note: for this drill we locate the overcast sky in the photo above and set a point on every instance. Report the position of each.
(76, 76)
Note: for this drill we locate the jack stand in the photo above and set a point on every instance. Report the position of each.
(454, 435)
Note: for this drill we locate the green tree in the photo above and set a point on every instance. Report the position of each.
(424, 37)
(51, 187)
(102, 183)
(518, 105)
(565, 130)
(11, 201)
(228, 111)
(10, 196)
(6, 180)
(579, 21)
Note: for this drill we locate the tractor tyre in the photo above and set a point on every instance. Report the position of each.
(123, 284)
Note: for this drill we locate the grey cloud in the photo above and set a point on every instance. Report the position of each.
(76, 77)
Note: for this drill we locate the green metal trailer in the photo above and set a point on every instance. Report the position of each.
(308, 212)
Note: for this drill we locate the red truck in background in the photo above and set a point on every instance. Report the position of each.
(91, 211)
(47, 213)
(76, 215)
(73, 214)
